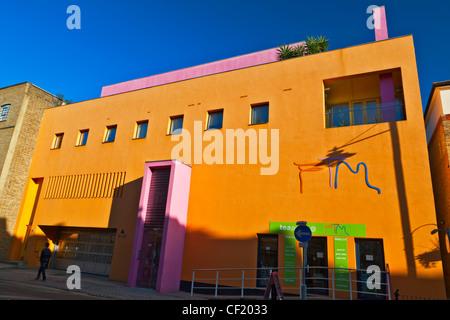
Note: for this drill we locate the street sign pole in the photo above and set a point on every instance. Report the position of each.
(304, 246)
(303, 234)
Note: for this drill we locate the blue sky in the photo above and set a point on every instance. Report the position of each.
(125, 40)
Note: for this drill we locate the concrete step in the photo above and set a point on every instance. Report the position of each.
(13, 264)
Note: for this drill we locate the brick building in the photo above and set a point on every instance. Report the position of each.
(21, 110)
(437, 121)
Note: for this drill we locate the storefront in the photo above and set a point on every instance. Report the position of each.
(332, 246)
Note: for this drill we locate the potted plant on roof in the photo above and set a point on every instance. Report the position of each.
(312, 45)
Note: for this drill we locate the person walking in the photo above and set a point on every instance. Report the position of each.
(44, 259)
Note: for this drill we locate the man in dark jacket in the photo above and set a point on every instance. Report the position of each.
(44, 259)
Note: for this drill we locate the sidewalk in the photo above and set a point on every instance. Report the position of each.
(93, 285)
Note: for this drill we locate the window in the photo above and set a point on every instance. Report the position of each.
(364, 99)
(4, 112)
(176, 125)
(215, 120)
(82, 137)
(110, 134)
(354, 113)
(141, 130)
(260, 114)
(57, 141)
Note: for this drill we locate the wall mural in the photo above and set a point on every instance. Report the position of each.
(317, 167)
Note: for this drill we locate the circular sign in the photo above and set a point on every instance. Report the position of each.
(302, 233)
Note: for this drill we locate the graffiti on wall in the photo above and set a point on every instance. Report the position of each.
(330, 160)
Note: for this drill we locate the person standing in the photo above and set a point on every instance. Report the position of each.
(44, 259)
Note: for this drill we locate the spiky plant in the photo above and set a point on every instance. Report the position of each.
(285, 52)
(311, 46)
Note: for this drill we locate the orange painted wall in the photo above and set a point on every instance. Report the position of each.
(230, 204)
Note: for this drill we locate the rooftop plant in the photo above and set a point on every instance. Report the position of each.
(312, 45)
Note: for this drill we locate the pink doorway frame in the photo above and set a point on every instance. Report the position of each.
(172, 246)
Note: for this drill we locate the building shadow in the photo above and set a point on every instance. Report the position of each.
(5, 239)
(123, 218)
(402, 201)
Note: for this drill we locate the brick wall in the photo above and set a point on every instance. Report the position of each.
(446, 127)
(18, 137)
(439, 152)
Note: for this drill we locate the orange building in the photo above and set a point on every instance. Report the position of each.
(214, 170)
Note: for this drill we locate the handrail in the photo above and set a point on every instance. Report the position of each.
(351, 112)
(355, 279)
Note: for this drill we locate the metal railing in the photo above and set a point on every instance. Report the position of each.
(348, 115)
(322, 282)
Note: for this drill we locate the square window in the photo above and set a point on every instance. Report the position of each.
(4, 111)
(82, 137)
(110, 134)
(57, 141)
(141, 130)
(215, 120)
(176, 125)
(260, 114)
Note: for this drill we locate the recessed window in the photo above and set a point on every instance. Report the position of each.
(260, 114)
(57, 141)
(176, 125)
(141, 130)
(215, 120)
(82, 137)
(110, 134)
(364, 99)
(4, 112)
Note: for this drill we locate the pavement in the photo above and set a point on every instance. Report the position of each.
(91, 285)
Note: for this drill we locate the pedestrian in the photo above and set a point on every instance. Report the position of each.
(44, 259)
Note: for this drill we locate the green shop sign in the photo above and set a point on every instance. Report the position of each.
(289, 258)
(322, 229)
(340, 232)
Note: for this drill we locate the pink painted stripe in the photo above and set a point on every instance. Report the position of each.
(381, 31)
(244, 61)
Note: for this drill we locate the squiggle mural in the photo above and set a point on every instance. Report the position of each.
(357, 170)
(316, 167)
(310, 169)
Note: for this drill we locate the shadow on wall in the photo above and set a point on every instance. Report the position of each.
(204, 250)
(335, 155)
(5, 239)
(123, 217)
(429, 259)
(402, 201)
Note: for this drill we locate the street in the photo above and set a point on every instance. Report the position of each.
(34, 291)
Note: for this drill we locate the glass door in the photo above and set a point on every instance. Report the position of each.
(267, 257)
(317, 257)
(149, 258)
(369, 252)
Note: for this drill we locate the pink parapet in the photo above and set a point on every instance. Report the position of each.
(235, 63)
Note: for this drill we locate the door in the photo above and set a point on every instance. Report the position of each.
(267, 257)
(370, 252)
(317, 257)
(149, 254)
(91, 249)
(149, 258)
